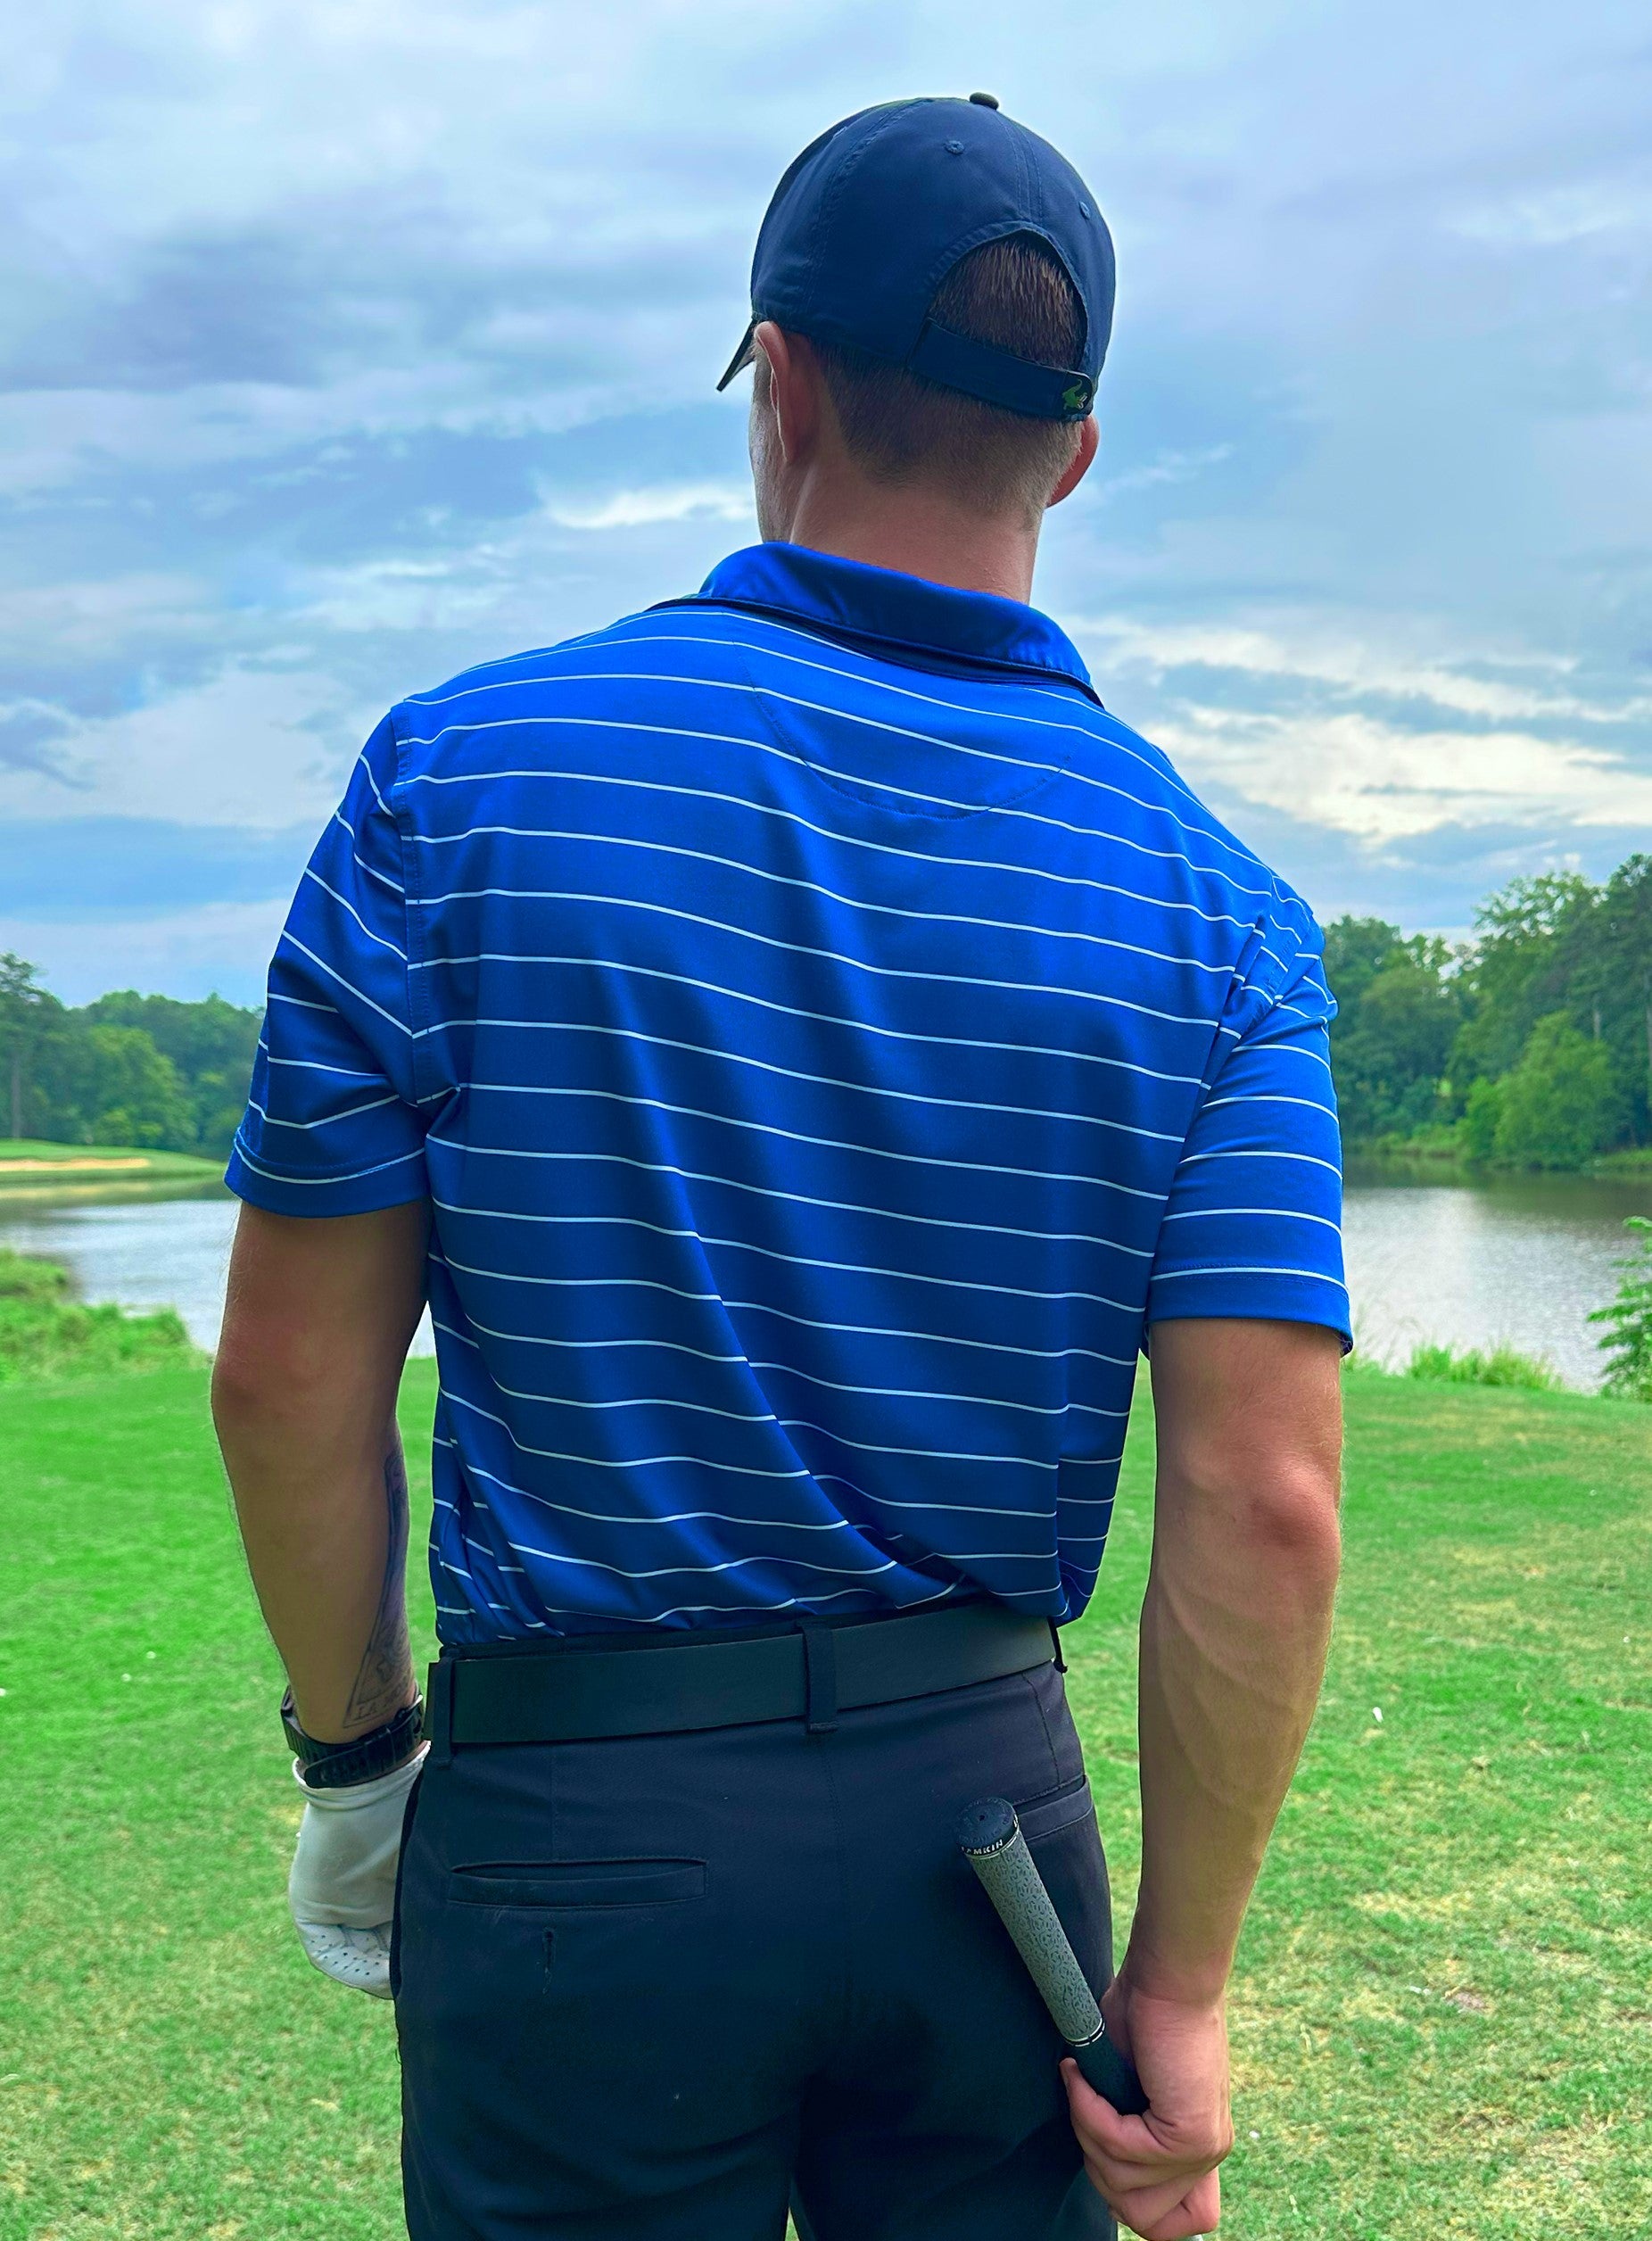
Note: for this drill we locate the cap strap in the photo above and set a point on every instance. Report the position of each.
(998, 378)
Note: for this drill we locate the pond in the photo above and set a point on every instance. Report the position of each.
(1517, 1259)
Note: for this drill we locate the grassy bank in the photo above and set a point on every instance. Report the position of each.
(1444, 2021)
(44, 1332)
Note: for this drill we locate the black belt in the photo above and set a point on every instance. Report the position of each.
(582, 1689)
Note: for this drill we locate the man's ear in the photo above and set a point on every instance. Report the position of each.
(1089, 441)
(795, 390)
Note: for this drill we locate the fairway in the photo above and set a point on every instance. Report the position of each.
(30, 1169)
(1442, 2019)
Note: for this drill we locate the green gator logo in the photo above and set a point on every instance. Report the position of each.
(1076, 397)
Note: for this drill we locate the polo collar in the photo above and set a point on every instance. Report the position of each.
(886, 607)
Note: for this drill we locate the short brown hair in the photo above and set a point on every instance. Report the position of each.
(901, 428)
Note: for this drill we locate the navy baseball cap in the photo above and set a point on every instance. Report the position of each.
(870, 218)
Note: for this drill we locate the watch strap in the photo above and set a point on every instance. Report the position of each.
(342, 1765)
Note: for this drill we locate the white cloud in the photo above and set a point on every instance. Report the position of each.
(659, 501)
(259, 749)
(1350, 666)
(1355, 774)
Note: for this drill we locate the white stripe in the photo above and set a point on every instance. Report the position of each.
(729, 1564)
(781, 878)
(320, 1182)
(366, 770)
(1160, 770)
(787, 1198)
(922, 1454)
(811, 1602)
(834, 1081)
(327, 1120)
(761, 1306)
(792, 1259)
(723, 1516)
(299, 1003)
(966, 1400)
(1270, 1214)
(629, 1401)
(703, 1408)
(948, 803)
(556, 772)
(1314, 1276)
(316, 1066)
(805, 949)
(608, 1462)
(1016, 1514)
(1308, 1158)
(590, 1346)
(827, 1019)
(1268, 1097)
(834, 1385)
(288, 935)
(345, 905)
(372, 872)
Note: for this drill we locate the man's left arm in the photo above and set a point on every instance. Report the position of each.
(319, 1316)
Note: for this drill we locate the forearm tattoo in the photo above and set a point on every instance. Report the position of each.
(384, 1681)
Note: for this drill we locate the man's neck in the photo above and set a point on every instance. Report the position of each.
(917, 532)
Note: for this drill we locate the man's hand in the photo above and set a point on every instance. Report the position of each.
(342, 1887)
(1158, 2172)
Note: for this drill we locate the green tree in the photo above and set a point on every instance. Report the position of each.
(211, 1044)
(1560, 1105)
(25, 1013)
(1399, 1011)
(1481, 1115)
(125, 1091)
(1525, 936)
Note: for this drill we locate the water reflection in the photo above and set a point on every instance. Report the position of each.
(1518, 1259)
(170, 1252)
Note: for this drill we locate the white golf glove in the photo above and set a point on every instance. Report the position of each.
(342, 1887)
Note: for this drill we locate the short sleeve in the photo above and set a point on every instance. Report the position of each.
(332, 1126)
(1253, 1225)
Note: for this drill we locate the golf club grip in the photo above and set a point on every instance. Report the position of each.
(1113, 2077)
(992, 1840)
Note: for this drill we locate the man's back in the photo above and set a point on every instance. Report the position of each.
(826, 1036)
(799, 1043)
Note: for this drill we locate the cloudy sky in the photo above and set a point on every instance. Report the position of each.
(344, 343)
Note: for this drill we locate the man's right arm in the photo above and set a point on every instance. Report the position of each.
(1234, 1629)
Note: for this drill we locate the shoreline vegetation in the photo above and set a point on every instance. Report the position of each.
(1527, 1048)
(47, 1333)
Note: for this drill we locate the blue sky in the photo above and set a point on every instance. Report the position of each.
(344, 343)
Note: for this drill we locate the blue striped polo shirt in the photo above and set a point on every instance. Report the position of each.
(827, 1039)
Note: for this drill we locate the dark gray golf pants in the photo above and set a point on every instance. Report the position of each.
(655, 1989)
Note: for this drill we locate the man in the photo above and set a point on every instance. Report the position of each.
(802, 1047)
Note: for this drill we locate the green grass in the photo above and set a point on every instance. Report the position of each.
(1496, 1366)
(46, 1333)
(1443, 2019)
(32, 1168)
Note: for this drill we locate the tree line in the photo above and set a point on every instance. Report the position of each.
(1530, 1046)
(128, 1069)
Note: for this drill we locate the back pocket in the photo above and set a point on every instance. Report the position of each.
(551, 1884)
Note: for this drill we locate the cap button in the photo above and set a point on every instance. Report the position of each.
(985, 101)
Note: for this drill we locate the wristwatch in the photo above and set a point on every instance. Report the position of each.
(342, 1765)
